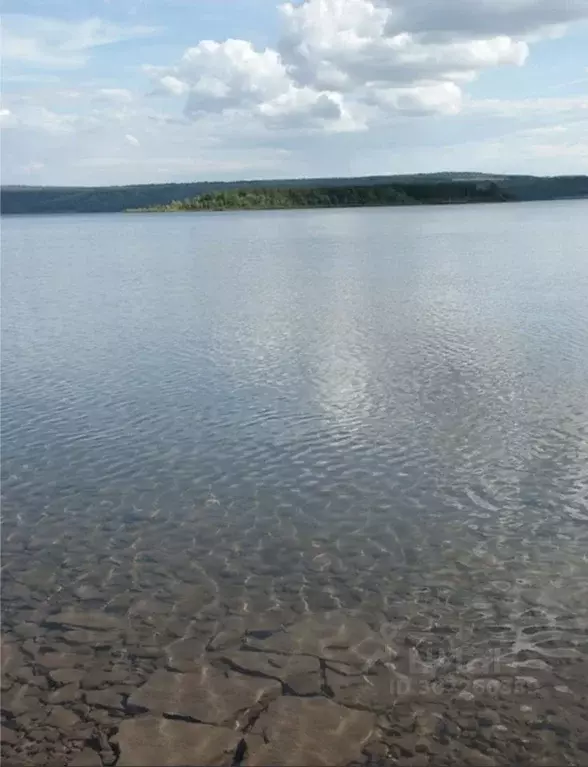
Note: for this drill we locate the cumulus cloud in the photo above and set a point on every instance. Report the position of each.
(229, 76)
(342, 65)
(441, 98)
(350, 86)
(307, 110)
(172, 85)
(350, 43)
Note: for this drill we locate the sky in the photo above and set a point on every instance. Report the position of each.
(99, 92)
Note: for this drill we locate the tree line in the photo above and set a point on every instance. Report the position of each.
(396, 190)
(338, 196)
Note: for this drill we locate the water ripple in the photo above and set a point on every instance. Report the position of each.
(303, 423)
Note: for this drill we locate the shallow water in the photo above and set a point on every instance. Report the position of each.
(357, 437)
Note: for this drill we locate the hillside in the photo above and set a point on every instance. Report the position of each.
(413, 193)
(36, 200)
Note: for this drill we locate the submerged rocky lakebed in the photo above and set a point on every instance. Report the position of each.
(177, 647)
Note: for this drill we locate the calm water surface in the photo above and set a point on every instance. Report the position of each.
(378, 413)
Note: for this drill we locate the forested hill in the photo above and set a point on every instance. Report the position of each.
(340, 196)
(23, 199)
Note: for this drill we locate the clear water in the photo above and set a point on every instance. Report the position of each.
(373, 413)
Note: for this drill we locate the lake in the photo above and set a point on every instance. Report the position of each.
(300, 485)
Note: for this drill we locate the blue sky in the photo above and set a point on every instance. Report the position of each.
(138, 91)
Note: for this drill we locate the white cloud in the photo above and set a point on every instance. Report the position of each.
(305, 109)
(230, 74)
(60, 44)
(353, 43)
(443, 98)
(344, 65)
(350, 87)
(174, 86)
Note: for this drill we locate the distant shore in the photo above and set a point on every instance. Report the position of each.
(415, 189)
(277, 198)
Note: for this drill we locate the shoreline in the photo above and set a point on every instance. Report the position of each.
(279, 194)
(416, 204)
